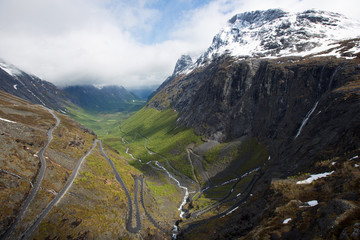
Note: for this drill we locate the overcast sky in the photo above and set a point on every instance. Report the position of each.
(124, 42)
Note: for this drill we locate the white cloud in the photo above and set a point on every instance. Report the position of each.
(73, 41)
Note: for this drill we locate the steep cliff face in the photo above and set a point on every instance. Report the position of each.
(304, 108)
(268, 99)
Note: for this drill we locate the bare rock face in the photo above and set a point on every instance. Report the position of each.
(305, 109)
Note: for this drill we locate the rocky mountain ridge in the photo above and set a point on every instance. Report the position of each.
(300, 98)
(277, 33)
(103, 99)
(231, 75)
(31, 88)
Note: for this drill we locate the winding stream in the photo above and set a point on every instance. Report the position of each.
(305, 120)
(179, 185)
(167, 172)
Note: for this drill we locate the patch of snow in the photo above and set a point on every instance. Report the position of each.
(333, 163)
(36, 96)
(335, 51)
(15, 86)
(6, 120)
(354, 157)
(314, 177)
(356, 165)
(355, 49)
(350, 58)
(232, 210)
(312, 203)
(286, 221)
(35, 155)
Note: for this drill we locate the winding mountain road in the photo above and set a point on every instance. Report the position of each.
(193, 172)
(48, 208)
(225, 198)
(203, 173)
(246, 193)
(137, 179)
(129, 226)
(152, 220)
(38, 181)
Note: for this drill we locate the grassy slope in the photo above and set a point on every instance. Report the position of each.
(102, 124)
(163, 135)
(158, 126)
(95, 202)
(226, 161)
(94, 207)
(107, 127)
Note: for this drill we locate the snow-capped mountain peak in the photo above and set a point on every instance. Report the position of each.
(183, 63)
(277, 33)
(9, 68)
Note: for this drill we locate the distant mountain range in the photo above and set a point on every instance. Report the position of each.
(31, 88)
(103, 99)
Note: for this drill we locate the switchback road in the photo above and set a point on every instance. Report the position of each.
(129, 226)
(45, 212)
(38, 181)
